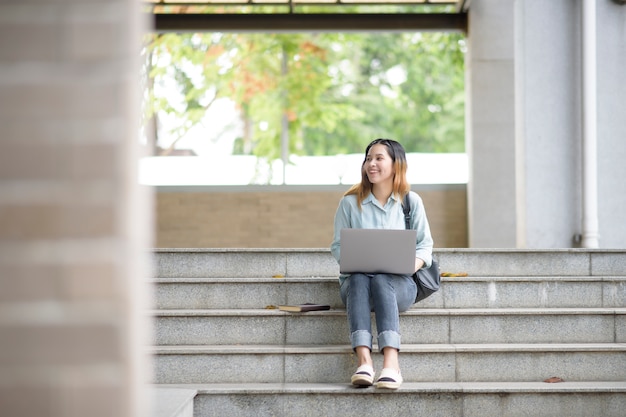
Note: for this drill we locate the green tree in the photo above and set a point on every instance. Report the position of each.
(192, 62)
(330, 93)
(284, 77)
(268, 76)
(408, 86)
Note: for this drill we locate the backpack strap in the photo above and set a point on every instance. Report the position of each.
(406, 207)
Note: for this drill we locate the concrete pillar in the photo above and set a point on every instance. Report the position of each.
(548, 120)
(524, 123)
(611, 59)
(490, 124)
(74, 224)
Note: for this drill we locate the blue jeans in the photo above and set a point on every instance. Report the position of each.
(386, 295)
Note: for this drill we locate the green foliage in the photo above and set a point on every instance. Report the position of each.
(192, 63)
(410, 88)
(337, 91)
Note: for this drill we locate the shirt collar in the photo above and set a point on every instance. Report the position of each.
(370, 198)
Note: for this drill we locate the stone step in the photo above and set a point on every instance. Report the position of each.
(172, 402)
(433, 399)
(250, 263)
(479, 347)
(422, 326)
(461, 292)
(420, 363)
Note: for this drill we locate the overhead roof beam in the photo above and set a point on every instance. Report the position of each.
(323, 22)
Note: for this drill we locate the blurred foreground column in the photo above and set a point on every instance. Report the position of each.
(74, 224)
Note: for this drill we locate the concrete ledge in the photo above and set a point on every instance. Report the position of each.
(409, 387)
(420, 363)
(461, 292)
(406, 348)
(568, 325)
(598, 399)
(242, 263)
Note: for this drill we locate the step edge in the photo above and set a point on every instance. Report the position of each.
(326, 250)
(410, 387)
(414, 311)
(322, 278)
(406, 348)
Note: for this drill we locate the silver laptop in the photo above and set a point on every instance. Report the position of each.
(378, 251)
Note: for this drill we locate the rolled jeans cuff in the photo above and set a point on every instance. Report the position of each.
(361, 338)
(389, 338)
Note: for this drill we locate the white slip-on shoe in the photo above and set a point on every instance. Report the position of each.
(389, 379)
(363, 376)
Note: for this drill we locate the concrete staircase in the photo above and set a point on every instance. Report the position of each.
(482, 346)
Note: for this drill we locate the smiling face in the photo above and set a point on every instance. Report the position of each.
(378, 165)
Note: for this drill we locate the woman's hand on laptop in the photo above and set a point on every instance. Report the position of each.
(418, 264)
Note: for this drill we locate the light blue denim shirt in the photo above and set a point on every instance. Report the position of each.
(374, 216)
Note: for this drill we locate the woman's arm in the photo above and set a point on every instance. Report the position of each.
(419, 222)
(342, 221)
